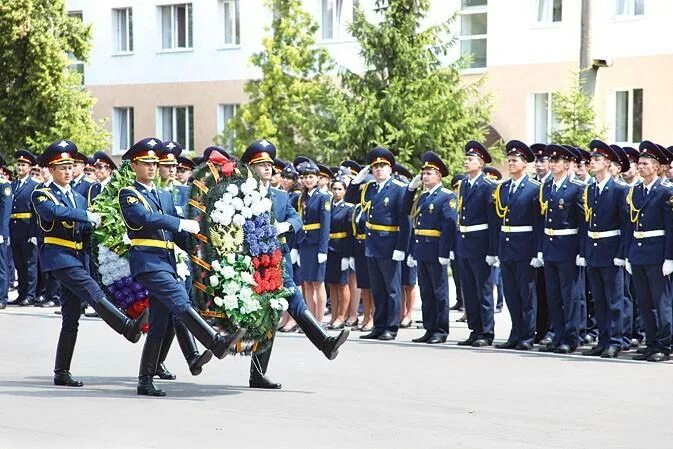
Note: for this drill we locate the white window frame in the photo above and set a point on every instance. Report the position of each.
(552, 122)
(222, 121)
(75, 64)
(342, 13)
(236, 24)
(630, 115)
(174, 41)
(122, 139)
(549, 12)
(118, 36)
(187, 143)
(627, 9)
(481, 9)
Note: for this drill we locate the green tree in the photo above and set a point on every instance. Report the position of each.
(295, 103)
(408, 98)
(574, 116)
(42, 100)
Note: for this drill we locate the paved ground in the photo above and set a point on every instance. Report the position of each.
(375, 395)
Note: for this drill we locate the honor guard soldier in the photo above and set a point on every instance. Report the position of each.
(168, 166)
(387, 240)
(475, 245)
(153, 227)
(80, 183)
(518, 230)
(103, 166)
(649, 251)
(22, 242)
(259, 156)
(433, 215)
(62, 215)
(602, 251)
(563, 211)
(5, 211)
(184, 171)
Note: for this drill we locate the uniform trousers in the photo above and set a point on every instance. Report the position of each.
(607, 291)
(76, 285)
(654, 303)
(25, 260)
(518, 279)
(433, 281)
(478, 297)
(385, 280)
(563, 302)
(4, 272)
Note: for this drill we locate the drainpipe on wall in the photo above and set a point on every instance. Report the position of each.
(588, 70)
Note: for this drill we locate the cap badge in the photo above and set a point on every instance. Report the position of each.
(63, 144)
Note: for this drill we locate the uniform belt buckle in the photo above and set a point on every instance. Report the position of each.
(638, 234)
(593, 234)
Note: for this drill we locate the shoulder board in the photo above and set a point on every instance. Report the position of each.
(488, 180)
(577, 182)
(445, 190)
(535, 182)
(276, 189)
(666, 183)
(4, 181)
(621, 183)
(349, 204)
(397, 182)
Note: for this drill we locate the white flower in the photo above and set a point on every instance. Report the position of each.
(182, 270)
(266, 204)
(238, 220)
(230, 302)
(106, 279)
(216, 265)
(247, 200)
(248, 278)
(226, 220)
(247, 259)
(218, 301)
(256, 197)
(231, 258)
(245, 293)
(213, 281)
(257, 208)
(263, 190)
(252, 305)
(231, 287)
(246, 212)
(232, 189)
(227, 198)
(237, 203)
(283, 304)
(228, 272)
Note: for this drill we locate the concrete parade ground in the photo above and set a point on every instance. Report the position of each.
(374, 395)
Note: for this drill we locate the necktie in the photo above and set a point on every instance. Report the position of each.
(647, 191)
(553, 188)
(512, 189)
(155, 195)
(71, 198)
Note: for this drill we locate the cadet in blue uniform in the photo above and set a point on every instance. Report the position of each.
(387, 240)
(649, 251)
(563, 212)
(496, 275)
(153, 226)
(184, 171)
(518, 230)
(602, 252)
(80, 183)
(455, 270)
(67, 224)
(259, 155)
(104, 166)
(5, 211)
(409, 273)
(313, 240)
(433, 214)
(475, 245)
(22, 242)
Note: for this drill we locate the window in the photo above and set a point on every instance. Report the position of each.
(231, 15)
(176, 26)
(549, 11)
(177, 123)
(629, 115)
(226, 112)
(122, 26)
(122, 129)
(75, 64)
(473, 28)
(629, 7)
(332, 24)
(544, 121)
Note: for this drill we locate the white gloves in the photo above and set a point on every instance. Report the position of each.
(361, 175)
(282, 227)
(443, 261)
(492, 261)
(667, 268)
(415, 183)
(191, 226)
(537, 261)
(580, 261)
(126, 239)
(627, 265)
(294, 255)
(411, 262)
(618, 262)
(33, 241)
(344, 263)
(322, 257)
(351, 263)
(398, 256)
(178, 209)
(452, 256)
(94, 218)
(2, 239)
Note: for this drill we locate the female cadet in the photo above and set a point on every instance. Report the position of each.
(359, 225)
(409, 274)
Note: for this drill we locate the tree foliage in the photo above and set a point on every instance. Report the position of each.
(575, 118)
(295, 104)
(42, 100)
(408, 98)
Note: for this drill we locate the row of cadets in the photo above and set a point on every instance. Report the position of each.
(409, 272)
(259, 156)
(62, 214)
(5, 210)
(433, 212)
(387, 238)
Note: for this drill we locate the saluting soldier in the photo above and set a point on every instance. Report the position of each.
(433, 217)
(649, 251)
(387, 238)
(153, 226)
(67, 224)
(5, 211)
(518, 230)
(563, 211)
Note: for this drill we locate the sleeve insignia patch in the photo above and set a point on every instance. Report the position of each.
(42, 198)
(8, 191)
(452, 203)
(328, 205)
(132, 200)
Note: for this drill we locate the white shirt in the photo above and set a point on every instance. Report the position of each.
(149, 188)
(515, 184)
(648, 188)
(601, 185)
(381, 184)
(559, 184)
(471, 181)
(432, 190)
(67, 192)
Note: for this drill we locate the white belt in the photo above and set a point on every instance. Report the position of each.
(604, 234)
(555, 232)
(473, 228)
(647, 234)
(516, 229)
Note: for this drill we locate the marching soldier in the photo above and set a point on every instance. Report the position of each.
(66, 223)
(649, 251)
(103, 166)
(433, 215)
(80, 183)
(153, 226)
(518, 231)
(563, 212)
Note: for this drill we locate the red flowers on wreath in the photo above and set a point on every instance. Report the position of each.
(268, 272)
(136, 309)
(226, 166)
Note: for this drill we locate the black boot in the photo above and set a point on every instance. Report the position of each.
(320, 339)
(258, 365)
(64, 350)
(131, 329)
(189, 349)
(148, 366)
(162, 371)
(218, 343)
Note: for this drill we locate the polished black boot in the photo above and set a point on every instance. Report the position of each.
(258, 366)
(162, 372)
(131, 329)
(189, 349)
(320, 339)
(148, 366)
(64, 351)
(218, 343)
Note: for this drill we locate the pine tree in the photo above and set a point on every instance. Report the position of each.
(575, 118)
